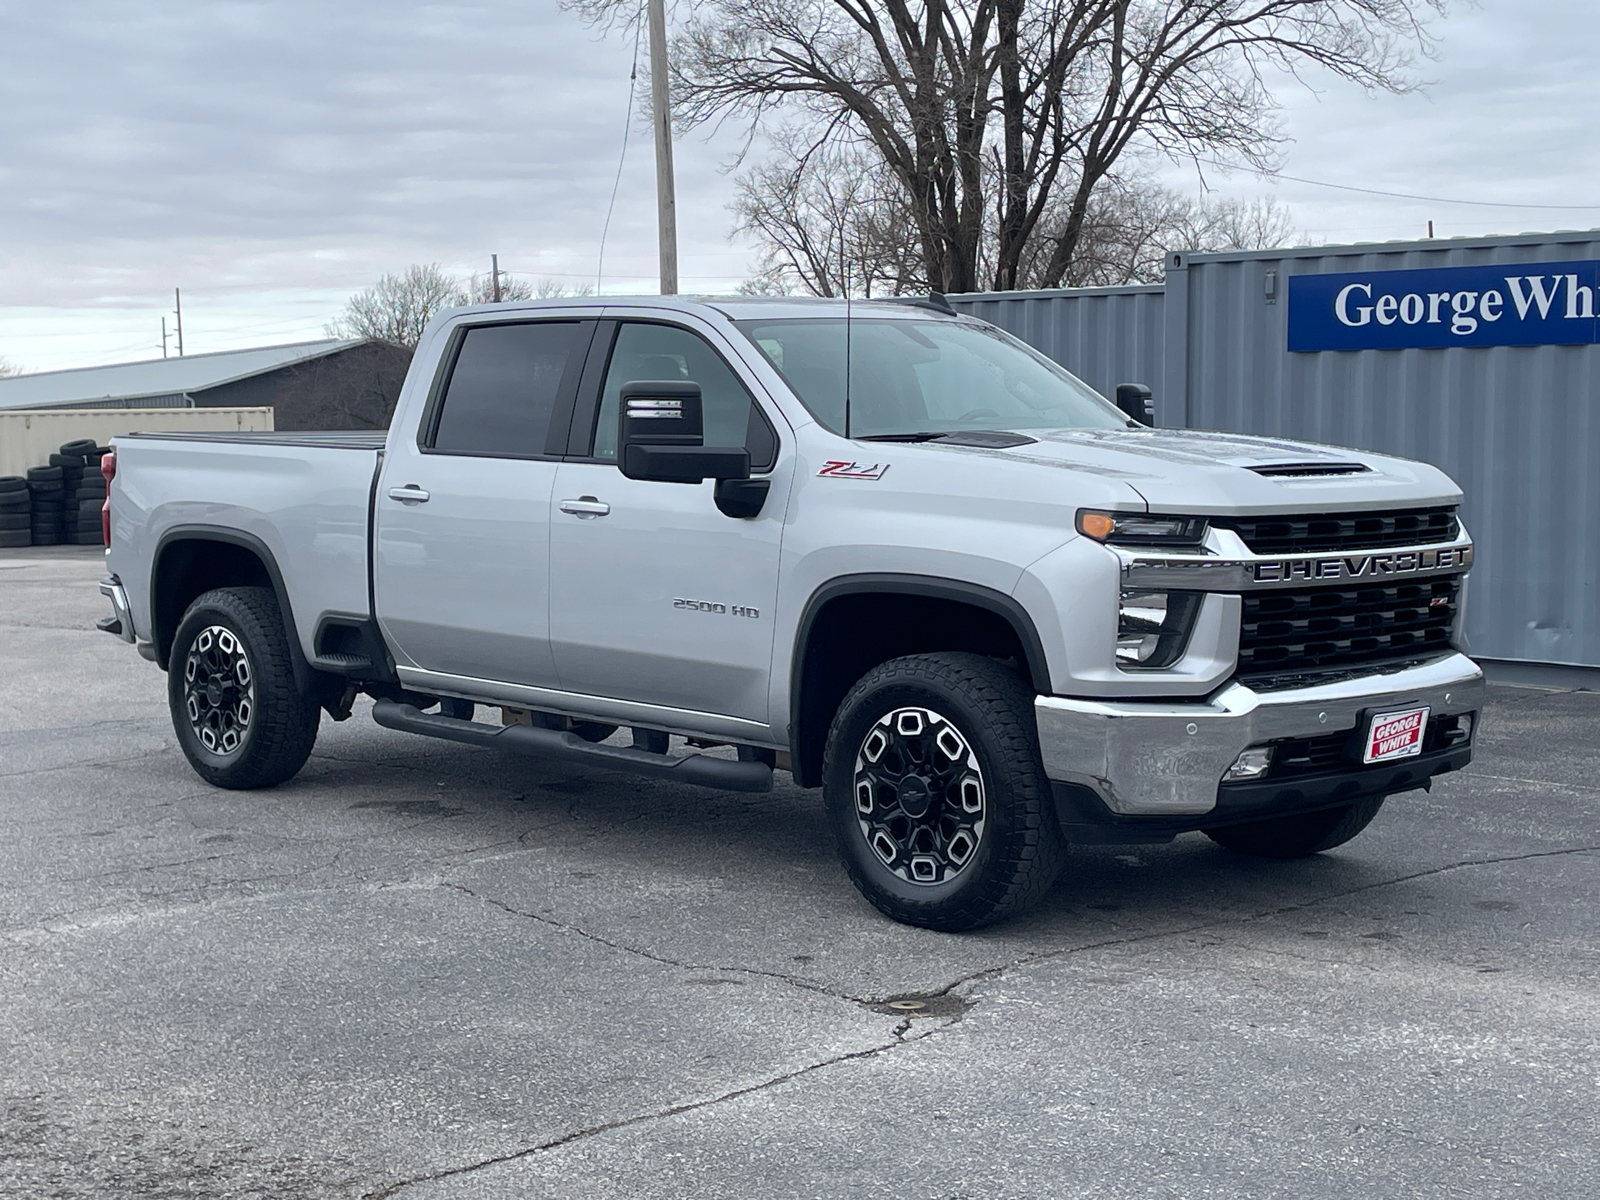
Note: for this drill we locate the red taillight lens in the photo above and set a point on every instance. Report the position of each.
(108, 468)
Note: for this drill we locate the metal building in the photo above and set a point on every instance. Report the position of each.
(328, 384)
(1480, 355)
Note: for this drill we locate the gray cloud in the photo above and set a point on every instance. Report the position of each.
(273, 157)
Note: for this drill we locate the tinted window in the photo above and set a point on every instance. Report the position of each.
(933, 376)
(657, 352)
(504, 388)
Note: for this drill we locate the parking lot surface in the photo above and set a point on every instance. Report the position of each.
(424, 971)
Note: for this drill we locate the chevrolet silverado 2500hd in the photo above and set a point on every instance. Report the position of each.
(886, 547)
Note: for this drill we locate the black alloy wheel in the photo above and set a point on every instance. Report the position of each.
(936, 793)
(238, 714)
(919, 795)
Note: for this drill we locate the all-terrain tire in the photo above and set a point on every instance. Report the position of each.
(1298, 836)
(228, 745)
(976, 872)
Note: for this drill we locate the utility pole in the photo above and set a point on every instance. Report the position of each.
(666, 197)
(177, 296)
(163, 337)
(494, 260)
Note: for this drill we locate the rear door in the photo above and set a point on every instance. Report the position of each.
(656, 596)
(462, 555)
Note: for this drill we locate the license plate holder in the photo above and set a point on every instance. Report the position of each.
(1394, 733)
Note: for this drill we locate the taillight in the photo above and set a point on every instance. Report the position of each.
(108, 468)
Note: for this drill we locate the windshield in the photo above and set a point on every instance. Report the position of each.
(910, 377)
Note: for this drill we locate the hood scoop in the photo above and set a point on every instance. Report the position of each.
(985, 439)
(1308, 470)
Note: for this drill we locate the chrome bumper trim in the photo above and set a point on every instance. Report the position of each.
(111, 588)
(1161, 758)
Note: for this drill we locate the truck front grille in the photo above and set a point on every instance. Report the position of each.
(1310, 533)
(1296, 638)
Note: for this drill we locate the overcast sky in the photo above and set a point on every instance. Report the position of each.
(272, 158)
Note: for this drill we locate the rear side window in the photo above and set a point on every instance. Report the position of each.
(506, 384)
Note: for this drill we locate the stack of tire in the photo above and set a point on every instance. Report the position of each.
(83, 491)
(45, 489)
(15, 505)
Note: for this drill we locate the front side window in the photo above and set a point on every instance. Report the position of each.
(909, 377)
(504, 387)
(656, 353)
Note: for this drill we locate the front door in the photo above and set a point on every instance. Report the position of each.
(462, 558)
(656, 597)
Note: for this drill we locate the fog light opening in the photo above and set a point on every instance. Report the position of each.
(1251, 764)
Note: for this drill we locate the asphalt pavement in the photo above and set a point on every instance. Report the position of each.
(425, 971)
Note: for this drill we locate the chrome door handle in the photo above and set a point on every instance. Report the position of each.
(410, 494)
(585, 507)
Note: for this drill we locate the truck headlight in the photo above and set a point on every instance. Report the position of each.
(1153, 628)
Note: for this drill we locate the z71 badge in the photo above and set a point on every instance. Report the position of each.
(838, 469)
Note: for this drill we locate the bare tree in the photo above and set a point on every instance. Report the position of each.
(7, 368)
(480, 289)
(831, 223)
(551, 289)
(999, 119)
(397, 308)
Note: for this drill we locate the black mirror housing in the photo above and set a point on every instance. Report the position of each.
(661, 436)
(1135, 400)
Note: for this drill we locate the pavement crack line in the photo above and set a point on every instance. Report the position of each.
(997, 972)
(568, 927)
(578, 1135)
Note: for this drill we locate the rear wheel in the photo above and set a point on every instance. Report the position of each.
(936, 794)
(1300, 835)
(240, 719)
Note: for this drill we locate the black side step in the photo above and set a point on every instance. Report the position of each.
(552, 743)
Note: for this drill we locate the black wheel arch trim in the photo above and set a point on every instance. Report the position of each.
(308, 679)
(1008, 608)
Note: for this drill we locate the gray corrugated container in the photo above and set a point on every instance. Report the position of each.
(1516, 426)
(1104, 336)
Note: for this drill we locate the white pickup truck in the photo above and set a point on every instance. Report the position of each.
(889, 549)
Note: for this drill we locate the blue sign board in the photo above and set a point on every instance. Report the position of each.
(1520, 304)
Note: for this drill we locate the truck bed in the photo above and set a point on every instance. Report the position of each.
(301, 500)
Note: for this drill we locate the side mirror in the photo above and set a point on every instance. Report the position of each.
(1134, 399)
(661, 436)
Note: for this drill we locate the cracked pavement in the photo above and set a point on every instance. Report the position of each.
(424, 971)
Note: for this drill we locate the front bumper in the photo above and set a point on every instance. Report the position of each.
(1167, 759)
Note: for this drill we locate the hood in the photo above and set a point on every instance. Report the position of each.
(1206, 473)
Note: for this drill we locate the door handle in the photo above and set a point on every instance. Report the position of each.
(410, 494)
(585, 507)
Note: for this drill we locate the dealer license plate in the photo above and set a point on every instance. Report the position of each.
(1396, 734)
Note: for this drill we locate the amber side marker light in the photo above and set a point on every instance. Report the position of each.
(1097, 525)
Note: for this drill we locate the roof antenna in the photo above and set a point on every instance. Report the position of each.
(847, 362)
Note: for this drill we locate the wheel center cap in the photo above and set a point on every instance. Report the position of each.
(214, 692)
(915, 798)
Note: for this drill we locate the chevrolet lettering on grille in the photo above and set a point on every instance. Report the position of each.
(1359, 566)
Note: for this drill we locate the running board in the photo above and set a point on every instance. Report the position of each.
(553, 743)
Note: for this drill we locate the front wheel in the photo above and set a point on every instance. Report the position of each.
(936, 793)
(1300, 835)
(240, 719)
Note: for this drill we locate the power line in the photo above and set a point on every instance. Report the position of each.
(633, 77)
(1346, 187)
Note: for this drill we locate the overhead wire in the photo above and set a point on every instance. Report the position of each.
(616, 184)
